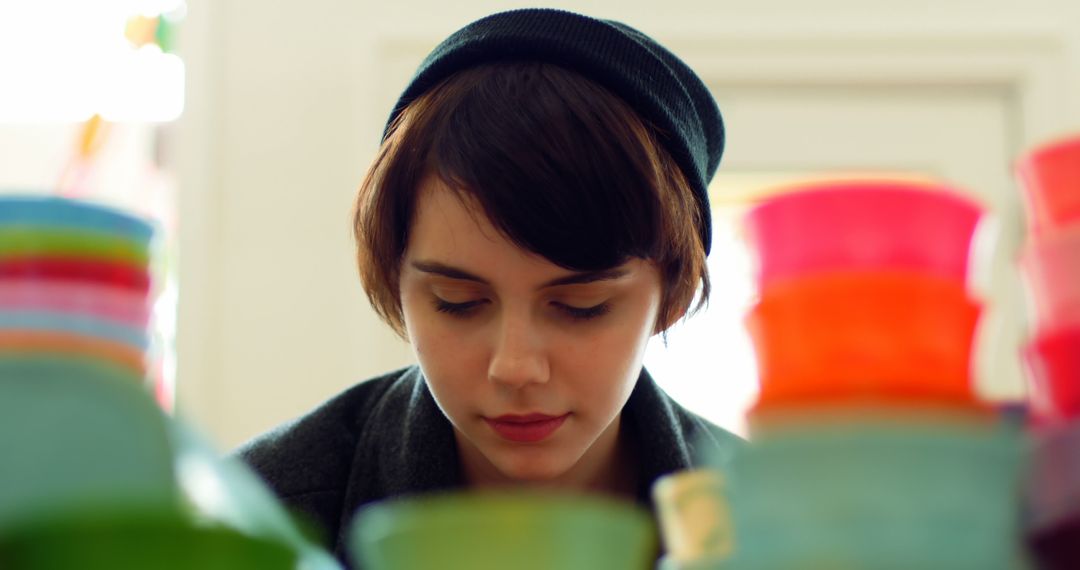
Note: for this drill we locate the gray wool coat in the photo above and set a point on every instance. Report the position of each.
(386, 438)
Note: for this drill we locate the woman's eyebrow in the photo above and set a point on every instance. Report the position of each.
(450, 271)
(578, 278)
(587, 277)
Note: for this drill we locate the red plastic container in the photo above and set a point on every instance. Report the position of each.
(872, 225)
(1050, 177)
(69, 269)
(1053, 363)
(881, 336)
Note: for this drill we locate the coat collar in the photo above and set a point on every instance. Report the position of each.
(408, 445)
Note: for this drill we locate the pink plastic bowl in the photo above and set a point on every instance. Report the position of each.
(1050, 176)
(1053, 363)
(109, 303)
(826, 227)
(1051, 270)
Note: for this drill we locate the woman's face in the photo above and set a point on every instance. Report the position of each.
(530, 362)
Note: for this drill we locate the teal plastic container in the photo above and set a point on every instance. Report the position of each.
(73, 324)
(53, 212)
(75, 433)
(879, 494)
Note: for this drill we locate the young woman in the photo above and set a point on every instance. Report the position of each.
(536, 213)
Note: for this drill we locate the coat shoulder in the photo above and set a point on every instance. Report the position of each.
(313, 453)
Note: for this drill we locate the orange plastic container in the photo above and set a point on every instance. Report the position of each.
(879, 336)
(1050, 176)
(61, 344)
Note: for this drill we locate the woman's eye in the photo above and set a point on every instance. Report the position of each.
(584, 313)
(457, 309)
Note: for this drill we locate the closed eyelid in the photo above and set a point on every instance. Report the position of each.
(457, 289)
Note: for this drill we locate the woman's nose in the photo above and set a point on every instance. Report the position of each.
(518, 356)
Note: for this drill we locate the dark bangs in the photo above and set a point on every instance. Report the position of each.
(554, 161)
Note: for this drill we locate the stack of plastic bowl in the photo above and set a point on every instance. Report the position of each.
(869, 447)
(74, 287)
(519, 530)
(1050, 263)
(93, 474)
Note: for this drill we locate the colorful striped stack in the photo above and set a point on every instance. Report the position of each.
(1050, 176)
(74, 289)
(869, 448)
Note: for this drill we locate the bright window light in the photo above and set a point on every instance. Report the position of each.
(708, 365)
(65, 60)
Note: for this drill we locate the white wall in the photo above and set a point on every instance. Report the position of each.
(285, 106)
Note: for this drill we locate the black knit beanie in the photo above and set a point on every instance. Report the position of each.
(651, 79)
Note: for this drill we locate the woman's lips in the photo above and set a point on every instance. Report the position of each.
(528, 428)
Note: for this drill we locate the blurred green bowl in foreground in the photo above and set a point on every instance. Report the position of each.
(527, 531)
(113, 540)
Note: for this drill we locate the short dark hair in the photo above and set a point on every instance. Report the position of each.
(561, 167)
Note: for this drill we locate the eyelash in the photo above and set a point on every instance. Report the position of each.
(574, 313)
(456, 309)
(585, 313)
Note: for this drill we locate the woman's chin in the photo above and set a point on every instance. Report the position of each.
(533, 471)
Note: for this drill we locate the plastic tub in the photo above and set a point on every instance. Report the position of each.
(161, 540)
(891, 336)
(36, 366)
(875, 494)
(77, 433)
(1052, 497)
(1053, 364)
(52, 211)
(30, 343)
(1052, 489)
(1051, 270)
(525, 531)
(69, 269)
(74, 324)
(826, 227)
(101, 301)
(1050, 177)
(59, 241)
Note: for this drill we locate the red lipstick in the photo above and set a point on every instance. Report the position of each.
(529, 428)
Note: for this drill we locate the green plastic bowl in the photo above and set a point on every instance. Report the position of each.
(133, 539)
(27, 241)
(528, 531)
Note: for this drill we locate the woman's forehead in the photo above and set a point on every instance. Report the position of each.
(446, 218)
